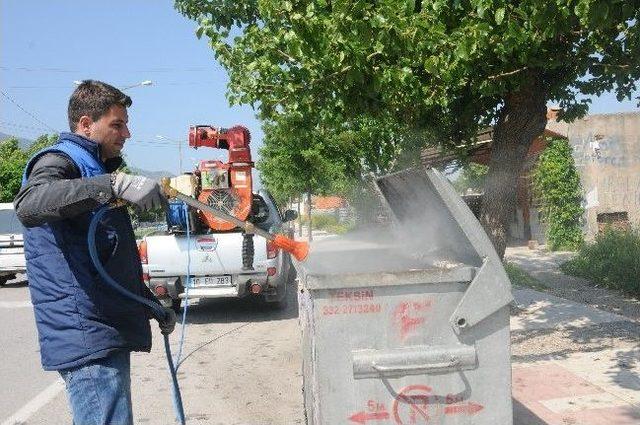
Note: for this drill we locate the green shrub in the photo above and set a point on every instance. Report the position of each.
(323, 221)
(328, 222)
(340, 228)
(612, 260)
(557, 187)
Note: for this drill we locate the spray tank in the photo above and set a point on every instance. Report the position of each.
(225, 186)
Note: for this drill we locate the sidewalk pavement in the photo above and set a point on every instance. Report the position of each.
(573, 364)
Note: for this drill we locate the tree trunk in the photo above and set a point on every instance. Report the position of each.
(309, 216)
(522, 118)
(299, 216)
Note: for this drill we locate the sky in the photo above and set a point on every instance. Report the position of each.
(47, 45)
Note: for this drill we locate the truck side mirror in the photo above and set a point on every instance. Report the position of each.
(289, 215)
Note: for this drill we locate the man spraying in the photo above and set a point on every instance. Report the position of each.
(86, 329)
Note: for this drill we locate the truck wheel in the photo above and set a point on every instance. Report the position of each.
(3, 280)
(175, 305)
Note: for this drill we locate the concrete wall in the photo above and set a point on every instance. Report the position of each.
(606, 149)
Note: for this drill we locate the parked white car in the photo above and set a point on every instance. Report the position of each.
(12, 259)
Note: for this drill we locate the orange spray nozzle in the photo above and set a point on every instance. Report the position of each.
(300, 250)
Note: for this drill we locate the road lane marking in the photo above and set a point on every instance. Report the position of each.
(36, 403)
(15, 304)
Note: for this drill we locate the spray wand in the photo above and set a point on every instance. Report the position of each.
(300, 250)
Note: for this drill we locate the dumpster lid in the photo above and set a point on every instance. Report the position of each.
(430, 216)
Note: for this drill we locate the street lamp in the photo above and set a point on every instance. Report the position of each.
(141, 83)
(180, 142)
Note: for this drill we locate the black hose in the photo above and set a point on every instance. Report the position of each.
(157, 310)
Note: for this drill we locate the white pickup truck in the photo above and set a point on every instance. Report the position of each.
(214, 260)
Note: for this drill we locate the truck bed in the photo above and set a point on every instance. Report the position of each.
(212, 254)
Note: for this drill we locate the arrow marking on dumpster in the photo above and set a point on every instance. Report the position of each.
(363, 417)
(470, 408)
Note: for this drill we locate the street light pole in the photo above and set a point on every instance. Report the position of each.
(180, 142)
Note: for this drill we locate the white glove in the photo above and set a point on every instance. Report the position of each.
(142, 192)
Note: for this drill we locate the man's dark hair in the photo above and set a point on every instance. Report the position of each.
(94, 98)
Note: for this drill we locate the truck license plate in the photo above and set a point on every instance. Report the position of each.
(212, 280)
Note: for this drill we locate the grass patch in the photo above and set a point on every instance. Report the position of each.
(520, 277)
(329, 223)
(612, 260)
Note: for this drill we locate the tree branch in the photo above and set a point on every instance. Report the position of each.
(621, 66)
(506, 74)
(286, 56)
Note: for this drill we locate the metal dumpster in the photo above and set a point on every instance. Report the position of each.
(410, 327)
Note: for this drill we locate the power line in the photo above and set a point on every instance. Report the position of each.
(63, 70)
(159, 84)
(156, 142)
(27, 112)
(16, 125)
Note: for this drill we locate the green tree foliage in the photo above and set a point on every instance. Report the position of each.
(300, 156)
(471, 177)
(13, 159)
(11, 167)
(557, 187)
(446, 65)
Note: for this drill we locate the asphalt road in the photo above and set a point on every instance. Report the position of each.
(241, 365)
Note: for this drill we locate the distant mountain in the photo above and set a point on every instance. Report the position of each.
(24, 143)
(156, 175)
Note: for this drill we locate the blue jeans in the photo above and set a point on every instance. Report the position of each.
(100, 391)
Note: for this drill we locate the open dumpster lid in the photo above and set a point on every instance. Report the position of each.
(430, 216)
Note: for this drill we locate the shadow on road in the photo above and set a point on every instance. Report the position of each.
(524, 416)
(573, 339)
(20, 281)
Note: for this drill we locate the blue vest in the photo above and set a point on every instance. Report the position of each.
(79, 318)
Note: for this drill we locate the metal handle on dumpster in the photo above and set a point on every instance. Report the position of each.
(414, 360)
(419, 367)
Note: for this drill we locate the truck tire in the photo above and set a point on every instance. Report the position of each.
(3, 280)
(282, 299)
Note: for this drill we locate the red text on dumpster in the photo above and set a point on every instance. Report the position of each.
(375, 411)
(351, 295)
(335, 309)
(409, 315)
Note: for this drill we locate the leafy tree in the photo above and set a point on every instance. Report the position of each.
(557, 186)
(13, 161)
(301, 157)
(11, 168)
(40, 143)
(450, 64)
